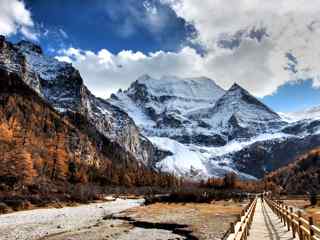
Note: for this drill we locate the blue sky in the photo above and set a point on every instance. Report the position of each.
(294, 96)
(133, 37)
(98, 24)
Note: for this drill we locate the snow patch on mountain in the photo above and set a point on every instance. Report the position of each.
(183, 162)
(200, 88)
(201, 162)
(237, 145)
(134, 111)
(171, 94)
(48, 68)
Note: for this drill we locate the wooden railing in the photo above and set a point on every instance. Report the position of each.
(296, 197)
(240, 229)
(302, 228)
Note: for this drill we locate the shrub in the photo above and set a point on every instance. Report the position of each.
(18, 204)
(85, 193)
(4, 208)
(313, 199)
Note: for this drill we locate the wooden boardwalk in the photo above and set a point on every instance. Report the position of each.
(267, 225)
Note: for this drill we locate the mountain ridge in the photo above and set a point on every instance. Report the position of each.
(302, 176)
(223, 130)
(62, 86)
(236, 132)
(36, 141)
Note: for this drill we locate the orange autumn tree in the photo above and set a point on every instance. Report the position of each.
(23, 165)
(61, 157)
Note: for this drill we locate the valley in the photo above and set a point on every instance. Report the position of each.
(47, 223)
(205, 150)
(110, 220)
(159, 120)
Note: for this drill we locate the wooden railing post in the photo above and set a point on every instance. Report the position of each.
(288, 218)
(283, 214)
(310, 228)
(292, 224)
(232, 230)
(239, 219)
(299, 225)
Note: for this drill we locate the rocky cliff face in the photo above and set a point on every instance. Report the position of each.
(36, 141)
(62, 86)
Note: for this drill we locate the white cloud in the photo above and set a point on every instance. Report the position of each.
(291, 26)
(105, 72)
(14, 17)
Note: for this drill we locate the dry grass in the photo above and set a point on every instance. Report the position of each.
(207, 221)
(297, 203)
(304, 205)
(315, 213)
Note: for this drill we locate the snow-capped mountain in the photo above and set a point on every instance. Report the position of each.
(195, 110)
(237, 114)
(192, 126)
(161, 107)
(62, 86)
(211, 131)
(151, 99)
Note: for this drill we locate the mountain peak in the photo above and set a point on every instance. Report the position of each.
(144, 77)
(172, 86)
(236, 87)
(238, 92)
(244, 97)
(239, 108)
(2, 38)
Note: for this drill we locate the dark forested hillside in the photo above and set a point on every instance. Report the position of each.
(300, 177)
